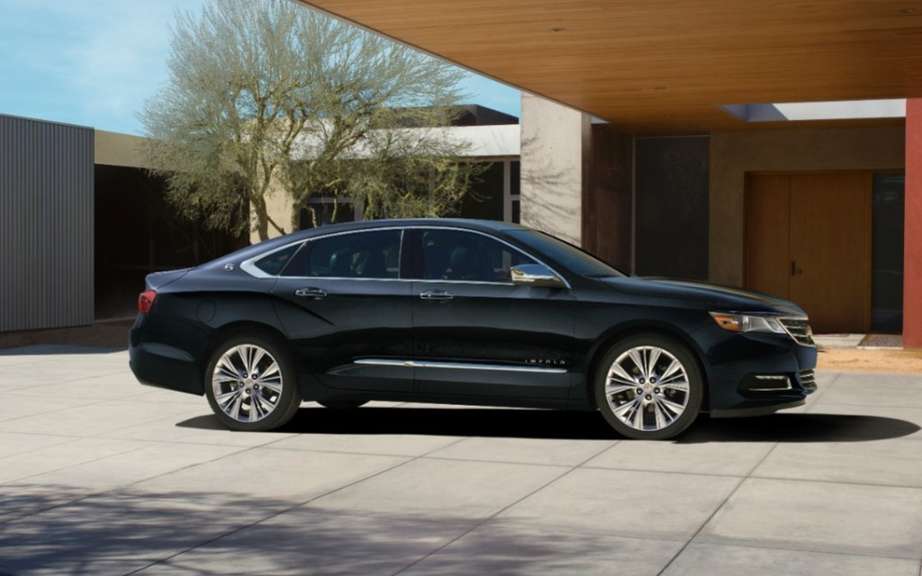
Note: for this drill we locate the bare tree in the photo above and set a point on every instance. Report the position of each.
(268, 92)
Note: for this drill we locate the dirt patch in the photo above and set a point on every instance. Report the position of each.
(862, 360)
(110, 334)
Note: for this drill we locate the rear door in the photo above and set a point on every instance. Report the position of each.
(476, 334)
(347, 310)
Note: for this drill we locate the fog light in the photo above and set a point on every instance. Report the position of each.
(767, 383)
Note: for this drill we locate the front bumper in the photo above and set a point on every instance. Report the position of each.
(757, 374)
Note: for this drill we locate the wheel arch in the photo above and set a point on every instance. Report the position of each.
(230, 330)
(627, 330)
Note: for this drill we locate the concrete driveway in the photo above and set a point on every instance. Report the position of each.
(101, 475)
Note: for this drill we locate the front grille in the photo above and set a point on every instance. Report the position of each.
(799, 329)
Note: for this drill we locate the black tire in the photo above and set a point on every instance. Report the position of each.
(342, 403)
(695, 392)
(289, 399)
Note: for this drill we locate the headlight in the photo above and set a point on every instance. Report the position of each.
(747, 323)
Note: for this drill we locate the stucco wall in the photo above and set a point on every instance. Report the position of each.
(116, 149)
(555, 164)
(733, 154)
(280, 207)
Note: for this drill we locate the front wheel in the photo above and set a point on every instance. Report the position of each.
(649, 387)
(251, 385)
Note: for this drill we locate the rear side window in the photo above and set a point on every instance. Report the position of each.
(373, 254)
(274, 263)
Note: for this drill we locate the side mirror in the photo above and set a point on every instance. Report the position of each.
(536, 275)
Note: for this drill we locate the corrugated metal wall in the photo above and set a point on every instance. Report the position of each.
(46, 224)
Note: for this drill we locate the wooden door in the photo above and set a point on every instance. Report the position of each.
(767, 224)
(831, 249)
(808, 238)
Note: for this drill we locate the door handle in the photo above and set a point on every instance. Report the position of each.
(794, 269)
(436, 295)
(313, 293)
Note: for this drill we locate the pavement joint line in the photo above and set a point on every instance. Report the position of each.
(715, 511)
(120, 486)
(95, 402)
(63, 440)
(654, 471)
(68, 502)
(61, 382)
(280, 512)
(837, 482)
(490, 517)
(901, 406)
(763, 546)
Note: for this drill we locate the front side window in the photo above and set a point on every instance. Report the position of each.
(373, 254)
(575, 259)
(464, 256)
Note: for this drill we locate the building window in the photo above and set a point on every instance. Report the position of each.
(513, 191)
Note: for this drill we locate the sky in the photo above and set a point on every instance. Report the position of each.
(95, 62)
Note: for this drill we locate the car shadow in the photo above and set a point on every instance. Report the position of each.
(568, 425)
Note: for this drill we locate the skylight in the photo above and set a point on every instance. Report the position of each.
(830, 110)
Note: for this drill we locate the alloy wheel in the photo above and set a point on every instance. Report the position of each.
(247, 383)
(647, 388)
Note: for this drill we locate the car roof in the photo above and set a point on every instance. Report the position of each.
(473, 224)
(279, 241)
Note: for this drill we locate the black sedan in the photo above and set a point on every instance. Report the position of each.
(463, 312)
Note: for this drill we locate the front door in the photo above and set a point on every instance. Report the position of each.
(476, 334)
(346, 305)
(808, 238)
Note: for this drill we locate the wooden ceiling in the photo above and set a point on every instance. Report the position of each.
(655, 65)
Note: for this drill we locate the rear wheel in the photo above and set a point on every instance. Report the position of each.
(251, 385)
(341, 403)
(649, 387)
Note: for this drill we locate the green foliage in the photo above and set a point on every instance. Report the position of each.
(269, 92)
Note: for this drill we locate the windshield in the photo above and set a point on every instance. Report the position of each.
(575, 259)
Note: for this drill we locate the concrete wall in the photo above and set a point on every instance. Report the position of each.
(46, 224)
(116, 149)
(733, 154)
(556, 157)
(671, 198)
(607, 201)
(280, 207)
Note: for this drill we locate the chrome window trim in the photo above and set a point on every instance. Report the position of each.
(457, 365)
(250, 267)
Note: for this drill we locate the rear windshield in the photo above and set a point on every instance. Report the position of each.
(575, 259)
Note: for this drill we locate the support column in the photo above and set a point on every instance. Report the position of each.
(912, 239)
(555, 159)
(576, 179)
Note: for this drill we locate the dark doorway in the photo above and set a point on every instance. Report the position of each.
(887, 253)
(138, 232)
(671, 187)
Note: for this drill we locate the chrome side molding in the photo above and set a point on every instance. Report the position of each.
(457, 365)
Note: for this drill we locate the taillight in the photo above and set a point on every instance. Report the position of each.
(145, 301)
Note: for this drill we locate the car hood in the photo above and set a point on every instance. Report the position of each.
(704, 295)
